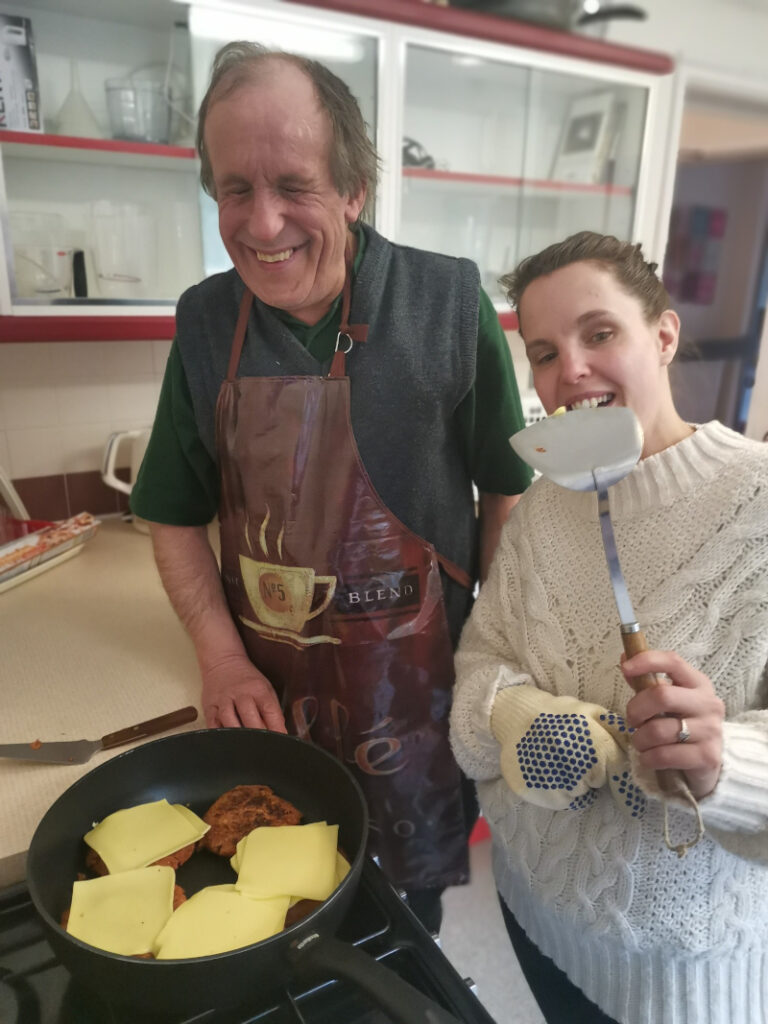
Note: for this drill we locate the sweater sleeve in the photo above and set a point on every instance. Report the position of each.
(736, 813)
(486, 661)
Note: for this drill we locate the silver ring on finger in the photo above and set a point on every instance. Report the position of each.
(684, 735)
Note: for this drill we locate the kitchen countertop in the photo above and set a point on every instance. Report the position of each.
(86, 648)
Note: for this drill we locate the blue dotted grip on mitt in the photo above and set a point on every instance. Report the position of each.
(557, 752)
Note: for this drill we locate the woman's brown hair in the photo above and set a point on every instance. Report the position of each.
(624, 260)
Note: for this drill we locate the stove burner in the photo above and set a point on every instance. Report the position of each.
(36, 989)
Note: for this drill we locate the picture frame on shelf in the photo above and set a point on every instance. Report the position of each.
(584, 142)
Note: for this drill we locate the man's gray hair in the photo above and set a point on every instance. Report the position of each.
(353, 160)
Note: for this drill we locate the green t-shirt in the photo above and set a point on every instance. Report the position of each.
(179, 482)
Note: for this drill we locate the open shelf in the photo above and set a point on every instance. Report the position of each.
(503, 181)
(44, 146)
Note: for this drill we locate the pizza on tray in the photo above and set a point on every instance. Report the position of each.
(25, 553)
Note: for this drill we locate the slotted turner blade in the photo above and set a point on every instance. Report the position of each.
(569, 448)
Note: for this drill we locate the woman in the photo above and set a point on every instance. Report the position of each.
(608, 924)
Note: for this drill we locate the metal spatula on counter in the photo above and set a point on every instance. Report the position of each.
(590, 450)
(80, 751)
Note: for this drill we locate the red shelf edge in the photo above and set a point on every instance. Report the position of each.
(500, 179)
(103, 145)
(509, 320)
(86, 328)
(496, 29)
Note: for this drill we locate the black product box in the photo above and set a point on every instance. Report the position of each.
(19, 89)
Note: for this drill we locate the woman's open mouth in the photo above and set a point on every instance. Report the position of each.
(595, 402)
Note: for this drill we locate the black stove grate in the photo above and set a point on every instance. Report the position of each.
(36, 989)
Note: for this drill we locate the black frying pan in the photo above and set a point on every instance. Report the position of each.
(194, 769)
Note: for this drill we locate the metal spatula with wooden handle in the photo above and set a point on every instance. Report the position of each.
(590, 450)
(80, 751)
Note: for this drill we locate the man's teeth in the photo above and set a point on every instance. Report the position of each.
(591, 403)
(274, 257)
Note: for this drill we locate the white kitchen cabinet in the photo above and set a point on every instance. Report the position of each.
(130, 207)
(489, 150)
(486, 173)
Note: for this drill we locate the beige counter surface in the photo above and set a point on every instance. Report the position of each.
(87, 648)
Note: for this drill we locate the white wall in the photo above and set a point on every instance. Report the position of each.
(723, 35)
(60, 401)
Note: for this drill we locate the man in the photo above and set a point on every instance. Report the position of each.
(332, 397)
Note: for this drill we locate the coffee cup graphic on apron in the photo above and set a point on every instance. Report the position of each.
(286, 597)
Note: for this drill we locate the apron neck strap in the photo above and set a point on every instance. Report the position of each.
(348, 333)
(240, 329)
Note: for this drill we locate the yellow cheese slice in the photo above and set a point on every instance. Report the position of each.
(292, 860)
(342, 868)
(236, 857)
(122, 913)
(138, 836)
(216, 919)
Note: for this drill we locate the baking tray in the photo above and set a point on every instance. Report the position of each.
(49, 544)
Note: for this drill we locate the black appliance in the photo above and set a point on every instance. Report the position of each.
(36, 989)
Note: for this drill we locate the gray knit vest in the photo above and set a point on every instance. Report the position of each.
(406, 381)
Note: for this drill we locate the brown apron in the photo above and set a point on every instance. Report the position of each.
(341, 606)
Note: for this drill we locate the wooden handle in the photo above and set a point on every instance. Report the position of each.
(671, 780)
(150, 728)
(634, 643)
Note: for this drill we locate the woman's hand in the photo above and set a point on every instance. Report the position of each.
(656, 713)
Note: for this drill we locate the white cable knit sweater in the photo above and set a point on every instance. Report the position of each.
(649, 938)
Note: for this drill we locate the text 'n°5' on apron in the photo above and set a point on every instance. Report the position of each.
(341, 606)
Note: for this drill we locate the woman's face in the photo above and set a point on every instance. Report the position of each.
(588, 343)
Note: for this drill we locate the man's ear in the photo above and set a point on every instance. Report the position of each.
(354, 206)
(668, 331)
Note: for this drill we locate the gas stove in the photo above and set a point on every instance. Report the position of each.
(36, 989)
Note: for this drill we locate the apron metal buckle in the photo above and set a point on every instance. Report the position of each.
(339, 336)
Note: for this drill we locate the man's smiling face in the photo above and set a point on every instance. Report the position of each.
(281, 218)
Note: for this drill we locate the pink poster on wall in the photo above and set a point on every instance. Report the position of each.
(693, 253)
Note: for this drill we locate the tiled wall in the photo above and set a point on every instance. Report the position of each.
(59, 402)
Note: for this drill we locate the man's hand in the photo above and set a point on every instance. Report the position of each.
(235, 693)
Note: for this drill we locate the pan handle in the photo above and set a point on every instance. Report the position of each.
(400, 1000)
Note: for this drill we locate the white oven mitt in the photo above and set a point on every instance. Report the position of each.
(556, 752)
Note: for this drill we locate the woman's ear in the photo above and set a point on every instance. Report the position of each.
(669, 335)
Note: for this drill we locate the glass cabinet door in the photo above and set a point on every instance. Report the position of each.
(500, 160)
(351, 55)
(582, 159)
(463, 153)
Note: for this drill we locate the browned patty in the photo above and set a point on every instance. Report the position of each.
(174, 860)
(240, 810)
